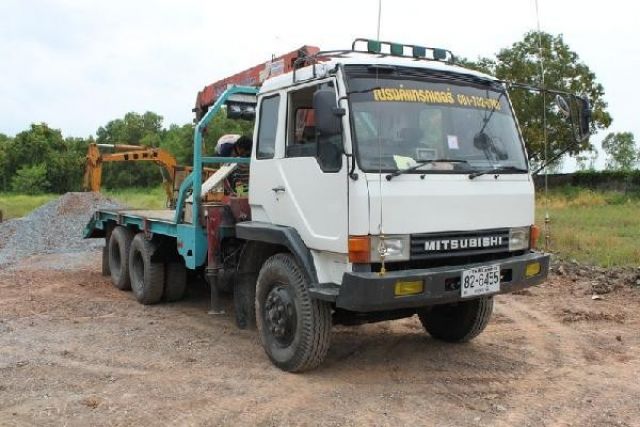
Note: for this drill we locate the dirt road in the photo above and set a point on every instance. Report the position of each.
(74, 350)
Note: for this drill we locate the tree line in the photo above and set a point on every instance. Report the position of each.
(40, 159)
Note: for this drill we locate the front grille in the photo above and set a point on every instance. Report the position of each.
(452, 261)
(459, 243)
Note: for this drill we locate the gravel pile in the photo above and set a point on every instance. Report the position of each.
(55, 227)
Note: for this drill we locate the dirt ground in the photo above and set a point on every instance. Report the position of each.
(74, 350)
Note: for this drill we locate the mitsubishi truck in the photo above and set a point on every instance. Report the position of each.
(384, 182)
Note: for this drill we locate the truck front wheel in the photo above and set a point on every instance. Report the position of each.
(458, 322)
(295, 329)
(147, 277)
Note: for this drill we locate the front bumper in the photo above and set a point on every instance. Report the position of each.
(366, 292)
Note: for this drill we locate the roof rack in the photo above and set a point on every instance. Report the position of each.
(385, 48)
(378, 48)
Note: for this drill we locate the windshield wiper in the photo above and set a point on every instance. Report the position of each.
(497, 170)
(420, 164)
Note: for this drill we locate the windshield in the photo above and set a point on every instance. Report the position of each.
(399, 123)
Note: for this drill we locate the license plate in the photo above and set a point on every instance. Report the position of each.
(480, 281)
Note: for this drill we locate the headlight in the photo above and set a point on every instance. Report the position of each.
(396, 248)
(519, 238)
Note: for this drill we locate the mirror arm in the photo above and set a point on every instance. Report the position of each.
(556, 157)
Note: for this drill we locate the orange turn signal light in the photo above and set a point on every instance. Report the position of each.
(359, 249)
(533, 236)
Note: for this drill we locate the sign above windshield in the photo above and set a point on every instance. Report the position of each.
(436, 97)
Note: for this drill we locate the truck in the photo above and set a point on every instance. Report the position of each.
(385, 181)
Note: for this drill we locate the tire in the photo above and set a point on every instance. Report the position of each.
(147, 277)
(459, 322)
(119, 248)
(105, 261)
(175, 281)
(295, 330)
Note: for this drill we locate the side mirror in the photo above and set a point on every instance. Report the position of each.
(241, 110)
(585, 116)
(563, 106)
(327, 114)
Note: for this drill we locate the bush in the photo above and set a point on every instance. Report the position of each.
(31, 180)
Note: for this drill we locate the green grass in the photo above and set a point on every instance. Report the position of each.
(601, 228)
(17, 205)
(139, 198)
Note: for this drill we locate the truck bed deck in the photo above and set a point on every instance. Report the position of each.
(166, 215)
(160, 221)
(191, 239)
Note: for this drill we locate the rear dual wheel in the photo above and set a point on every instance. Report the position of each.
(119, 246)
(127, 259)
(147, 276)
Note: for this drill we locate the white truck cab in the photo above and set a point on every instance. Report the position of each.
(395, 113)
(398, 185)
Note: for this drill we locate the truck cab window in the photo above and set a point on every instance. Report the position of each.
(302, 138)
(266, 141)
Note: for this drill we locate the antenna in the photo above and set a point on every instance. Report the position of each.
(547, 219)
(379, 17)
(382, 247)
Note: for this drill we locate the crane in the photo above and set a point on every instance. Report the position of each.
(253, 76)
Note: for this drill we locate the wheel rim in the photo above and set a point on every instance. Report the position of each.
(280, 315)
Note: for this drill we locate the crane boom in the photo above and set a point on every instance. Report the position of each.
(253, 76)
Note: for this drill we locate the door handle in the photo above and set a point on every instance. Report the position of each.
(278, 189)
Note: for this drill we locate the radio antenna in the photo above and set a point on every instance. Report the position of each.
(379, 18)
(382, 247)
(547, 219)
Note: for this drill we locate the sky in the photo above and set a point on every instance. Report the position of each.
(77, 64)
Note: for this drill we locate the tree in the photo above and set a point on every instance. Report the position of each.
(133, 129)
(622, 153)
(40, 146)
(5, 176)
(35, 145)
(586, 161)
(178, 140)
(65, 169)
(31, 180)
(221, 125)
(563, 71)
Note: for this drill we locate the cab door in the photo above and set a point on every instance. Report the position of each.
(313, 174)
(304, 185)
(264, 178)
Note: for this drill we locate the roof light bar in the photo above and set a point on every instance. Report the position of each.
(373, 46)
(398, 49)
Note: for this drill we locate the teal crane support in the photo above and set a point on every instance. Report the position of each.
(192, 238)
